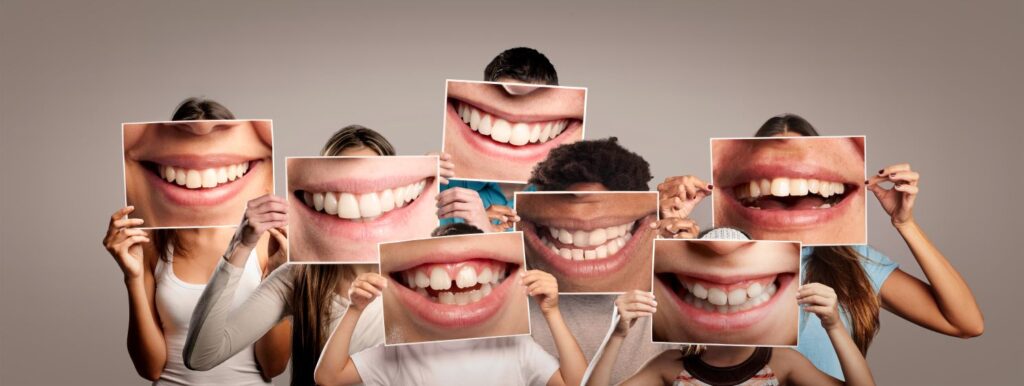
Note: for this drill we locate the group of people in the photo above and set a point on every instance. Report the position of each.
(221, 306)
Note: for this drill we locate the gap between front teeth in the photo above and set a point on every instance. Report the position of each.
(718, 300)
(438, 279)
(367, 205)
(514, 133)
(205, 178)
(607, 240)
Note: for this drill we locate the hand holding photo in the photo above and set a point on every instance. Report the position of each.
(726, 292)
(341, 207)
(592, 242)
(499, 131)
(196, 173)
(454, 287)
(808, 189)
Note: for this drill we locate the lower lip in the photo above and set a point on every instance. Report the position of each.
(586, 268)
(714, 321)
(220, 194)
(452, 315)
(785, 219)
(382, 228)
(529, 153)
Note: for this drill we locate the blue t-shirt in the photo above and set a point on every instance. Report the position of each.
(490, 194)
(814, 343)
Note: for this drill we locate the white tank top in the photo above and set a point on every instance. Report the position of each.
(175, 300)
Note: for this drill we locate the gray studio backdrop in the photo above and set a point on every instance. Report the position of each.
(933, 83)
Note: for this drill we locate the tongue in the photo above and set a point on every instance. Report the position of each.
(790, 203)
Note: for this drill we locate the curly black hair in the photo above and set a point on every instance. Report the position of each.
(458, 228)
(602, 161)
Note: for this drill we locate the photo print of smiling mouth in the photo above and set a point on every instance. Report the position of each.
(454, 287)
(744, 300)
(500, 136)
(595, 242)
(341, 207)
(196, 173)
(809, 189)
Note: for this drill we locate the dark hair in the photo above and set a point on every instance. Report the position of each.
(356, 136)
(786, 123)
(191, 109)
(601, 161)
(523, 64)
(196, 109)
(458, 228)
(838, 267)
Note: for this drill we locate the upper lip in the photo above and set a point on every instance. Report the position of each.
(507, 115)
(195, 161)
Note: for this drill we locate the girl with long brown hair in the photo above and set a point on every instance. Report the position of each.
(165, 273)
(314, 295)
(864, 279)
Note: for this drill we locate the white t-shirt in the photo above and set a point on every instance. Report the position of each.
(514, 360)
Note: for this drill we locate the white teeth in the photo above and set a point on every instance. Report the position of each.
(520, 134)
(564, 236)
(718, 300)
(598, 237)
(330, 203)
(514, 133)
(566, 253)
(577, 254)
(201, 178)
(485, 289)
(367, 205)
(439, 279)
(782, 187)
(446, 298)
(602, 252)
(599, 243)
(422, 280)
(485, 275)
(307, 197)
(466, 277)
(589, 254)
(580, 238)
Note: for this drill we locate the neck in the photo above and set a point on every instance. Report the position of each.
(204, 241)
(725, 356)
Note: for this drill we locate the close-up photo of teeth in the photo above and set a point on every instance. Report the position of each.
(807, 189)
(499, 131)
(365, 205)
(341, 207)
(592, 242)
(196, 173)
(513, 133)
(454, 287)
(726, 292)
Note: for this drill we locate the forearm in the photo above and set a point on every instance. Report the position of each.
(146, 344)
(602, 374)
(274, 349)
(571, 361)
(952, 295)
(855, 367)
(335, 366)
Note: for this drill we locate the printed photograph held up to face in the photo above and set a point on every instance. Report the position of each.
(726, 292)
(807, 189)
(499, 131)
(591, 242)
(339, 208)
(454, 287)
(196, 173)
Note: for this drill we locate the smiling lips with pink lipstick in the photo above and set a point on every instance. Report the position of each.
(200, 180)
(724, 303)
(518, 137)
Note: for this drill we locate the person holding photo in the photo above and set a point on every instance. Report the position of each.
(734, 365)
(864, 279)
(165, 272)
(506, 360)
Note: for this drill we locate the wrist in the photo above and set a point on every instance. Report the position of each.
(132, 280)
(903, 226)
(551, 313)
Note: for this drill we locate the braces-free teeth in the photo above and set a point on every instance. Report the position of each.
(607, 241)
(790, 187)
(514, 133)
(472, 282)
(366, 205)
(720, 300)
(205, 178)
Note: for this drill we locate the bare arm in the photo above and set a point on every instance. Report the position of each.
(821, 301)
(146, 344)
(336, 366)
(571, 361)
(945, 303)
(630, 306)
